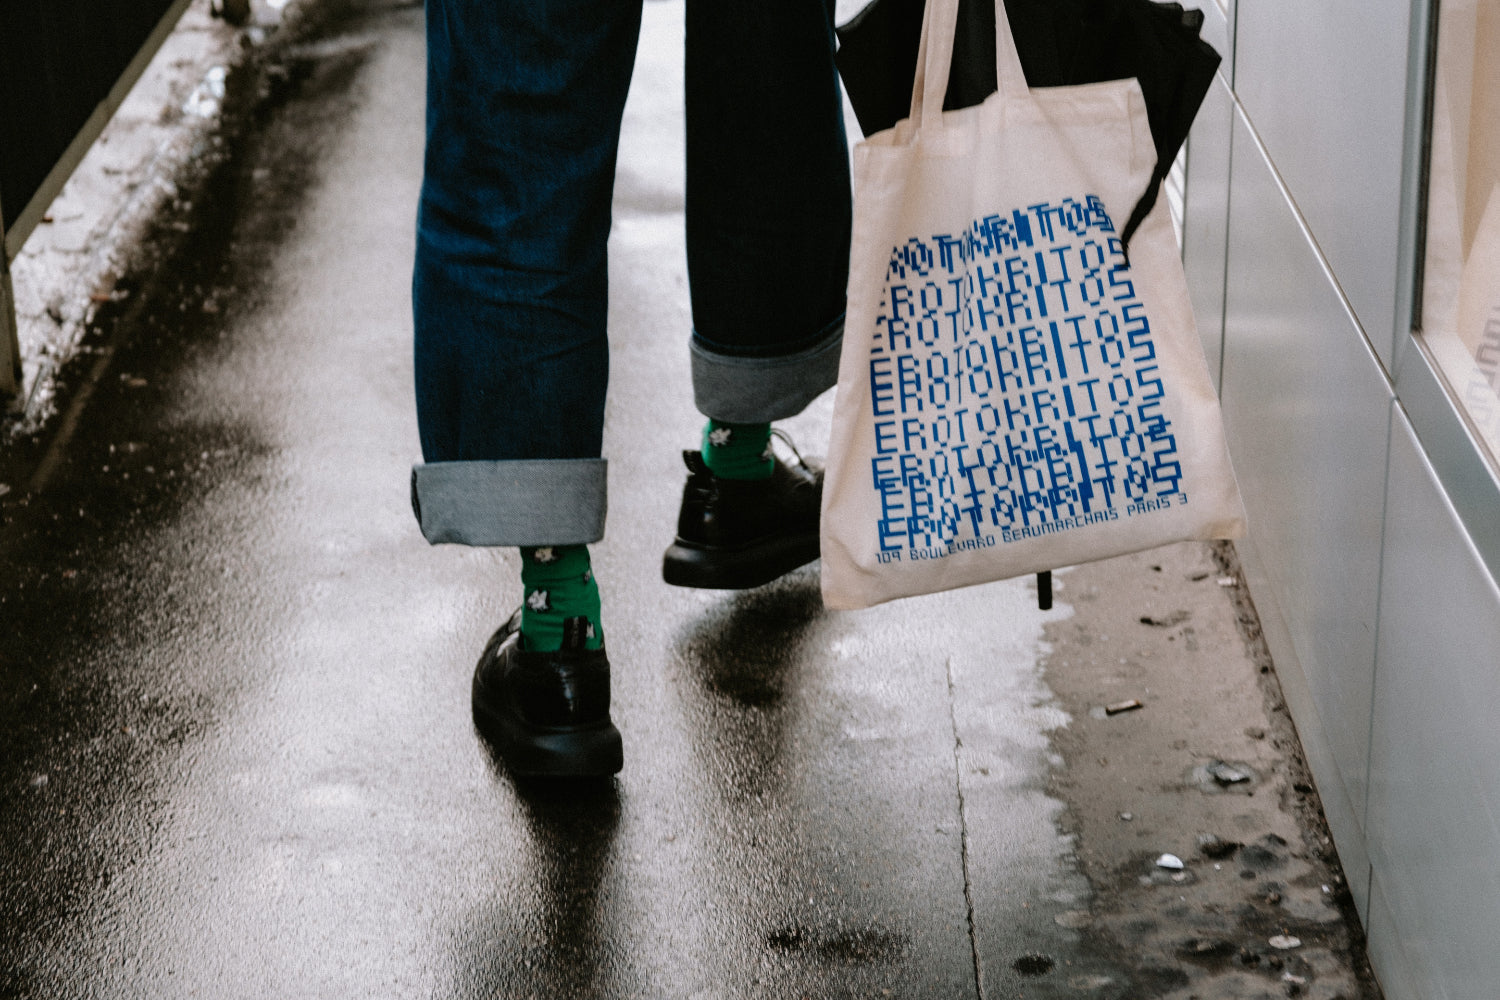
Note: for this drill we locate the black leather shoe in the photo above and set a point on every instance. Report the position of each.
(547, 713)
(733, 534)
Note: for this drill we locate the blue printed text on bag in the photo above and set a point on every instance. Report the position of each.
(1014, 384)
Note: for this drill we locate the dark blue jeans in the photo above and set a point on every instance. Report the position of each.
(510, 291)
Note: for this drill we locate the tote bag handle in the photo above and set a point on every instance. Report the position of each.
(935, 59)
(930, 88)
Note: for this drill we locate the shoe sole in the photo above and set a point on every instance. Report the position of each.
(690, 565)
(591, 751)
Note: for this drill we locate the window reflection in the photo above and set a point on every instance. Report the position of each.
(1461, 293)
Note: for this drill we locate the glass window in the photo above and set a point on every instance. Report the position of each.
(1461, 283)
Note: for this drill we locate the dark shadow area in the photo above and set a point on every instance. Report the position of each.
(749, 689)
(841, 946)
(552, 937)
(743, 656)
(105, 592)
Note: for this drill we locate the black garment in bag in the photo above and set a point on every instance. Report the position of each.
(1060, 42)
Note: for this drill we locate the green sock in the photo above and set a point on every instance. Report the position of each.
(559, 584)
(738, 451)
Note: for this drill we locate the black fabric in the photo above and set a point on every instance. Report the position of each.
(1060, 43)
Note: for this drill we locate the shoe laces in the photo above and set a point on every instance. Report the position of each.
(786, 439)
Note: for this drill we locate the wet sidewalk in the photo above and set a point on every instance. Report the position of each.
(234, 680)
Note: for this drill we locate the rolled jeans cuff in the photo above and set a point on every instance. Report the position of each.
(758, 390)
(522, 502)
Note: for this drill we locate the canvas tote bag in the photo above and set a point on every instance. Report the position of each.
(1014, 394)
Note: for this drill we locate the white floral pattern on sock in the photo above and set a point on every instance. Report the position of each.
(720, 436)
(545, 554)
(539, 600)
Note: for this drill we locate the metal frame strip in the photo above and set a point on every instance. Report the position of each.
(1465, 469)
(10, 338)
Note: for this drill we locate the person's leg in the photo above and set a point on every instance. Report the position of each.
(509, 299)
(768, 218)
(768, 206)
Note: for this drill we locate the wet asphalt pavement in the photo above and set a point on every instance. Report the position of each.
(237, 753)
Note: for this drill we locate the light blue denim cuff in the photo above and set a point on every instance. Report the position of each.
(528, 502)
(759, 390)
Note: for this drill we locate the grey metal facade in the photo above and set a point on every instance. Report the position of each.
(1374, 542)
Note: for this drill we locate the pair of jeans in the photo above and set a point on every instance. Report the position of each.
(510, 291)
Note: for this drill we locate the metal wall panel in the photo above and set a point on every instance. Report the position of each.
(1386, 949)
(1347, 824)
(1434, 820)
(1324, 85)
(1307, 408)
(1205, 228)
(1472, 485)
(1218, 30)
